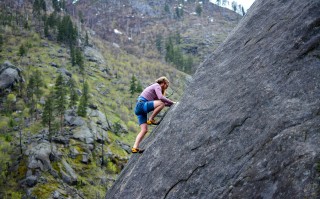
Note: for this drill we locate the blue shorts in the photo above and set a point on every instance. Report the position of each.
(143, 107)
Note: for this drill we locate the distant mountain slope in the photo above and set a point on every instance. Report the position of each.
(135, 25)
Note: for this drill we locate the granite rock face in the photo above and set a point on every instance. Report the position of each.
(9, 75)
(248, 126)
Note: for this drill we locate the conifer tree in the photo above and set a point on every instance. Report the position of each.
(167, 8)
(73, 93)
(60, 98)
(48, 114)
(22, 50)
(169, 50)
(139, 88)
(86, 43)
(79, 59)
(234, 6)
(199, 10)
(55, 5)
(84, 100)
(133, 85)
(67, 32)
(159, 39)
(1, 42)
(242, 10)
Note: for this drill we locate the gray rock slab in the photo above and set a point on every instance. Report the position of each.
(248, 124)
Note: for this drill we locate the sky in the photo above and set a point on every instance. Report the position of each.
(245, 3)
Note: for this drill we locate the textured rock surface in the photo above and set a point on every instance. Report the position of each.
(9, 75)
(248, 125)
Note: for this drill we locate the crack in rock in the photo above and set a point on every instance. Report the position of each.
(184, 180)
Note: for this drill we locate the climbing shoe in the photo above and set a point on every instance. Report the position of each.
(137, 150)
(149, 122)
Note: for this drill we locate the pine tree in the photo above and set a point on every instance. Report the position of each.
(178, 13)
(169, 50)
(86, 43)
(139, 88)
(22, 50)
(167, 8)
(60, 98)
(48, 114)
(79, 59)
(1, 42)
(67, 32)
(46, 30)
(243, 12)
(159, 39)
(84, 100)
(234, 6)
(133, 85)
(62, 4)
(199, 10)
(73, 93)
(55, 5)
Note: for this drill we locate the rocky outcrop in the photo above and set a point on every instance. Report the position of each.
(9, 75)
(248, 125)
(94, 55)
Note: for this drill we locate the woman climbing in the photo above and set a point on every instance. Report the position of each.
(151, 99)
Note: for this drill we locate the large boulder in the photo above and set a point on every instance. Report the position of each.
(9, 75)
(248, 125)
(93, 55)
(39, 155)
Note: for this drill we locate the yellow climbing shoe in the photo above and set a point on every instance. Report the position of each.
(149, 122)
(137, 150)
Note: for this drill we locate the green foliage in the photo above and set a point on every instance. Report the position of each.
(12, 123)
(39, 6)
(199, 10)
(34, 90)
(10, 102)
(60, 97)
(234, 6)
(43, 191)
(133, 85)
(47, 115)
(72, 92)
(56, 5)
(159, 40)
(175, 56)
(80, 14)
(22, 50)
(1, 42)
(84, 100)
(67, 32)
(86, 41)
(8, 137)
(77, 58)
(139, 88)
(167, 8)
(53, 20)
(179, 12)
(318, 167)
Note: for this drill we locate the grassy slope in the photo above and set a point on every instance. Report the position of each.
(117, 106)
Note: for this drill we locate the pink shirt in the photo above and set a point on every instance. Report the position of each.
(153, 92)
